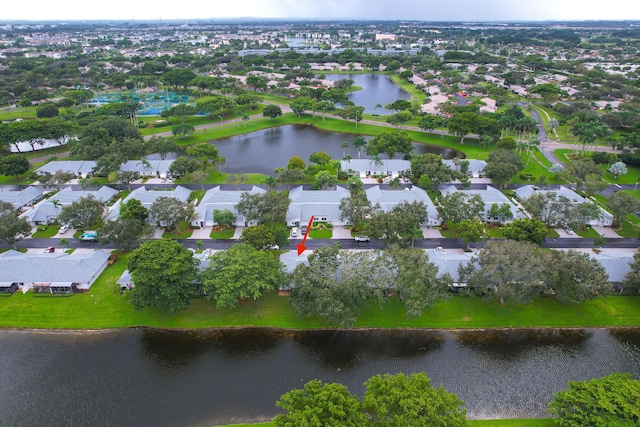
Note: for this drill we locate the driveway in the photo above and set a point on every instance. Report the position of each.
(606, 232)
(564, 234)
(431, 233)
(201, 233)
(341, 233)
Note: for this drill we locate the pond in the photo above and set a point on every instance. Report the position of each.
(376, 89)
(203, 378)
(265, 150)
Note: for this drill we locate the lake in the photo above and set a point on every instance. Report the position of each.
(376, 89)
(141, 377)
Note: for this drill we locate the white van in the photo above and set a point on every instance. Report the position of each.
(294, 232)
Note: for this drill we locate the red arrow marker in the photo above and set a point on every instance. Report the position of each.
(301, 246)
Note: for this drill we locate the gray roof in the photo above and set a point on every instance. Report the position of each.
(475, 166)
(74, 166)
(448, 262)
(291, 260)
(51, 267)
(616, 264)
(305, 203)
(216, 198)
(388, 199)
(147, 197)
(22, 197)
(490, 196)
(364, 165)
(46, 209)
(527, 191)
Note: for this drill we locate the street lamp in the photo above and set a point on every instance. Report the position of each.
(221, 121)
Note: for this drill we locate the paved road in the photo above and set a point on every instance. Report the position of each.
(346, 243)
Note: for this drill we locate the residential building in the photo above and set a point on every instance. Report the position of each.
(219, 199)
(490, 196)
(368, 167)
(22, 199)
(388, 199)
(323, 205)
(147, 197)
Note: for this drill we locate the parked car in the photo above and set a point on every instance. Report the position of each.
(63, 228)
(49, 250)
(89, 236)
(113, 258)
(303, 229)
(271, 247)
(294, 232)
(361, 238)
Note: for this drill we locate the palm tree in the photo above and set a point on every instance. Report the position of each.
(344, 146)
(359, 142)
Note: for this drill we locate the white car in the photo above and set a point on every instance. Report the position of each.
(63, 228)
(294, 232)
(361, 238)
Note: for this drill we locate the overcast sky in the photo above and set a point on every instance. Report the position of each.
(427, 10)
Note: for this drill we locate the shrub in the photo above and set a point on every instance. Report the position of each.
(527, 177)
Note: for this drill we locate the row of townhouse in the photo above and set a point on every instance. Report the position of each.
(83, 168)
(366, 168)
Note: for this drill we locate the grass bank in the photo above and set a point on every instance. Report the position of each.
(104, 307)
(515, 422)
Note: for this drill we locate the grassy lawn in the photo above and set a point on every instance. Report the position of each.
(587, 232)
(515, 422)
(320, 234)
(17, 113)
(224, 233)
(184, 232)
(104, 307)
(51, 231)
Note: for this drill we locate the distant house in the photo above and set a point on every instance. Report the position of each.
(147, 197)
(323, 205)
(148, 168)
(475, 169)
(218, 199)
(54, 273)
(367, 167)
(80, 168)
(388, 199)
(46, 211)
(524, 192)
(84, 168)
(21, 199)
(490, 196)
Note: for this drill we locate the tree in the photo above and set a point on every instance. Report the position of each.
(608, 401)
(589, 128)
(401, 401)
(270, 207)
(458, 206)
(500, 212)
(390, 143)
(508, 271)
(579, 170)
(416, 280)
(133, 209)
(181, 166)
(398, 224)
(399, 105)
(324, 179)
(183, 129)
(300, 105)
(240, 273)
(336, 284)
(621, 204)
(432, 166)
(14, 165)
(359, 143)
(224, 217)
(82, 213)
(471, 231)
(296, 163)
(169, 212)
(205, 154)
(320, 158)
(317, 404)
(354, 209)
(163, 146)
(617, 169)
(502, 165)
(12, 227)
(56, 180)
(197, 177)
(525, 230)
(89, 182)
(631, 282)
(124, 233)
(289, 176)
(462, 124)
(577, 277)
(127, 177)
(181, 111)
(272, 111)
(163, 272)
(47, 110)
(258, 237)
(108, 163)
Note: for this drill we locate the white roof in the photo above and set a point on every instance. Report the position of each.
(364, 165)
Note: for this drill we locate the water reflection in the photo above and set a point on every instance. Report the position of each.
(377, 89)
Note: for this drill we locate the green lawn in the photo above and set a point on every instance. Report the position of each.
(587, 232)
(184, 232)
(104, 307)
(320, 234)
(51, 231)
(515, 422)
(17, 113)
(225, 233)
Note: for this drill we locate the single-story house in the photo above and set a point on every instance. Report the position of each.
(147, 197)
(46, 211)
(149, 168)
(367, 167)
(55, 273)
(490, 196)
(218, 199)
(449, 263)
(388, 199)
(323, 205)
(21, 199)
(524, 192)
(475, 169)
(79, 168)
